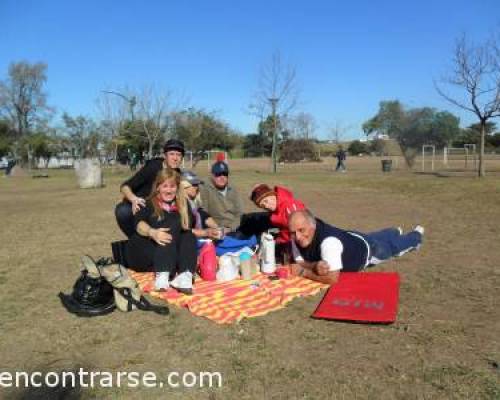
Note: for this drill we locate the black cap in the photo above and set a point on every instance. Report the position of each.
(220, 168)
(174, 144)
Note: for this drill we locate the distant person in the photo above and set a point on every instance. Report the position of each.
(280, 203)
(163, 242)
(10, 164)
(204, 226)
(321, 250)
(138, 187)
(341, 157)
(134, 161)
(220, 199)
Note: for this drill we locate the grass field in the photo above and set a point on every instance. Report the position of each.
(445, 343)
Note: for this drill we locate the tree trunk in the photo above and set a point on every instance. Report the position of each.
(481, 170)
(150, 148)
(273, 152)
(275, 139)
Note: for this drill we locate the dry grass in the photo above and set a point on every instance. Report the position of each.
(444, 344)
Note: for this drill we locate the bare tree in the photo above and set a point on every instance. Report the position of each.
(154, 109)
(477, 74)
(302, 125)
(337, 130)
(114, 113)
(22, 98)
(277, 95)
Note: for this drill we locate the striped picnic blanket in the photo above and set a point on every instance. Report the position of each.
(228, 302)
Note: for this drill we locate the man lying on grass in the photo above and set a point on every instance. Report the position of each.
(321, 250)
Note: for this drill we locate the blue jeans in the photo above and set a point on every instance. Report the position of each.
(389, 243)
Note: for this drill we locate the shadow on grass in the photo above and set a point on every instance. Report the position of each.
(64, 384)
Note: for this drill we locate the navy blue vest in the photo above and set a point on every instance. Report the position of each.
(355, 251)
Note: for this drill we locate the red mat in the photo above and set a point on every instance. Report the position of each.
(370, 297)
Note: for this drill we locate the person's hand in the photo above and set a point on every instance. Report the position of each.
(160, 235)
(322, 268)
(137, 203)
(296, 270)
(213, 233)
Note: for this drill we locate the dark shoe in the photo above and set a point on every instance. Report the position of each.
(186, 291)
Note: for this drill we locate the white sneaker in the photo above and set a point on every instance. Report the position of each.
(183, 281)
(161, 282)
(420, 229)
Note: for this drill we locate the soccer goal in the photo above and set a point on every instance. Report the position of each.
(460, 157)
(428, 155)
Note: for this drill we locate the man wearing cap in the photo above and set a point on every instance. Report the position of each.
(137, 188)
(221, 200)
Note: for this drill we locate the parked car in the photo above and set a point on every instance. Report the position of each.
(4, 163)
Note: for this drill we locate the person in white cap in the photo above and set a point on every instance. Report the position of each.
(204, 225)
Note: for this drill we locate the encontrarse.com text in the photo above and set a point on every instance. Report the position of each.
(90, 379)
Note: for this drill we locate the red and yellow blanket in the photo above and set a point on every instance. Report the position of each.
(229, 302)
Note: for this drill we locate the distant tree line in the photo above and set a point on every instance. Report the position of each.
(414, 127)
(132, 124)
(26, 132)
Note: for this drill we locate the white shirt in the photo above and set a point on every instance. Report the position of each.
(331, 253)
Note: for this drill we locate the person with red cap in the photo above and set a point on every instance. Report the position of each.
(280, 203)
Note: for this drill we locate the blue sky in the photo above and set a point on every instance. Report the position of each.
(349, 55)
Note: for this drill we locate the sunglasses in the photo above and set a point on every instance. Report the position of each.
(221, 174)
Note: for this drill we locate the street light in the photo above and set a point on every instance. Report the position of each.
(274, 101)
(130, 100)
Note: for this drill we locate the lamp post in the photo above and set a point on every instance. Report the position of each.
(130, 100)
(274, 101)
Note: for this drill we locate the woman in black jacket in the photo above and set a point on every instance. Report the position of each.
(163, 242)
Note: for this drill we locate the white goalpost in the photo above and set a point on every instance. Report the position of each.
(188, 158)
(208, 152)
(187, 154)
(465, 154)
(432, 155)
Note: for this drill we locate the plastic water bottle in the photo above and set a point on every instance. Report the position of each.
(246, 265)
(267, 256)
(208, 262)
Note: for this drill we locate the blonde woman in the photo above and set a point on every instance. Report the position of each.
(163, 242)
(204, 226)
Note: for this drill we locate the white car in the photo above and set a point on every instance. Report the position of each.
(3, 163)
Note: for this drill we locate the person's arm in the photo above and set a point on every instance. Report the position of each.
(210, 223)
(144, 176)
(325, 270)
(136, 201)
(238, 210)
(316, 271)
(160, 235)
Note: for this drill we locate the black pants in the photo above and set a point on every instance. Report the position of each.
(145, 255)
(125, 218)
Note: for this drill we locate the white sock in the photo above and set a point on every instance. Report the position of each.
(420, 229)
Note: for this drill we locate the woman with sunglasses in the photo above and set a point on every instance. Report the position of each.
(204, 226)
